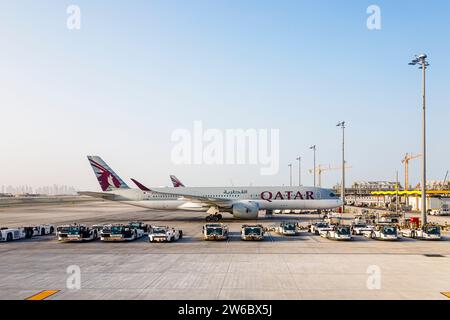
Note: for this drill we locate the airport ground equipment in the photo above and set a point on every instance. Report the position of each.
(252, 232)
(10, 234)
(38, 230)
(140, 225)
(383, 232)
(164, 234)
(443, 211)
(76, 233)
(320, 226)
(338, 233)
(121, 232)
(333, 220)
(388, 218)
(365, 217)
(215, 231)
(286, 228)
(360, 228)
(412, 229)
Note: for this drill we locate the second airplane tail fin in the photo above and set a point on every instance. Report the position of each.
(140, 185)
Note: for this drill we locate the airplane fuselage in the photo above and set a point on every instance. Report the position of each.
(307, 198)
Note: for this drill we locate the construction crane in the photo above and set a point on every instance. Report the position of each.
(408, 157)
(320, 169)
(444, 186)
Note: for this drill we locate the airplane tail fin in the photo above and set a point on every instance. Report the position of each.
(106, 177)
(140, 185)
(176, 182)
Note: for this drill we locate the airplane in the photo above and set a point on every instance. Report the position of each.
(241, 202)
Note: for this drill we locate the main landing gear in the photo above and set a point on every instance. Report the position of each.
(214, 217)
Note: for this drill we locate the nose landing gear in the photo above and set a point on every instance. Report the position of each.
(214, 217)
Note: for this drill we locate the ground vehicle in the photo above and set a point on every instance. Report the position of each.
(139, 225)
(320, 226)
(76, 233)
(10, 234)
(443, 211)
(39, 230)
(337, 233)
(360, 228)
(252, 232)
(215, 231)
(164, 234)
(365, 217)
(383, 232)
(286, 229)
(426, 232)
(389, 218)
(120, 232)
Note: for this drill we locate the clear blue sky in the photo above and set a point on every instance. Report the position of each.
(137, 70)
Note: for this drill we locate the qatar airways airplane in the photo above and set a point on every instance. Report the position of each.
(241, 202)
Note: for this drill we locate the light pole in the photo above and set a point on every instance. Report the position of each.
(299, 159)
(342, 125)
(290, 174)
(314, 167)
(423, 64)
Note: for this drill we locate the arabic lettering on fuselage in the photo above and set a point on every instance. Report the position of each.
(288, 195)
(235, 191)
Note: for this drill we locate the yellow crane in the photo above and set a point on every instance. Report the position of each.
(408, 157)
(320, 169)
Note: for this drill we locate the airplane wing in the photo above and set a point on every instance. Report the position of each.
(199, 199)
(101, 195)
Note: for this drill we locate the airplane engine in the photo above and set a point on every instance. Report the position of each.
(245, 210)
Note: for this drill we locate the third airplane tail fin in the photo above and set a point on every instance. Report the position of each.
(176, 182)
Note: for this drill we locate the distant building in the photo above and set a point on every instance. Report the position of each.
(375, 185)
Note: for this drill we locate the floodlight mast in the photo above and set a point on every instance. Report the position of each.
(342, 125)
(423, 64)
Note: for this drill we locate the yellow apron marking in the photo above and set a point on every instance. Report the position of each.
(447, 294)
(42, 295)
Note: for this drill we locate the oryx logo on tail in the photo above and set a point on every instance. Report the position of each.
(106, 177)
(176, 182)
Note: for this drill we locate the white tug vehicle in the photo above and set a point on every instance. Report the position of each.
(121, 232)
(76, 233)
(164, 234)
(383, 232)
(360, 228)
(10, 234)
(215, 231)
(286, 229)
(318, 227)
(253, 232)
(413, 229)
(443, 211)
(338, 232)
